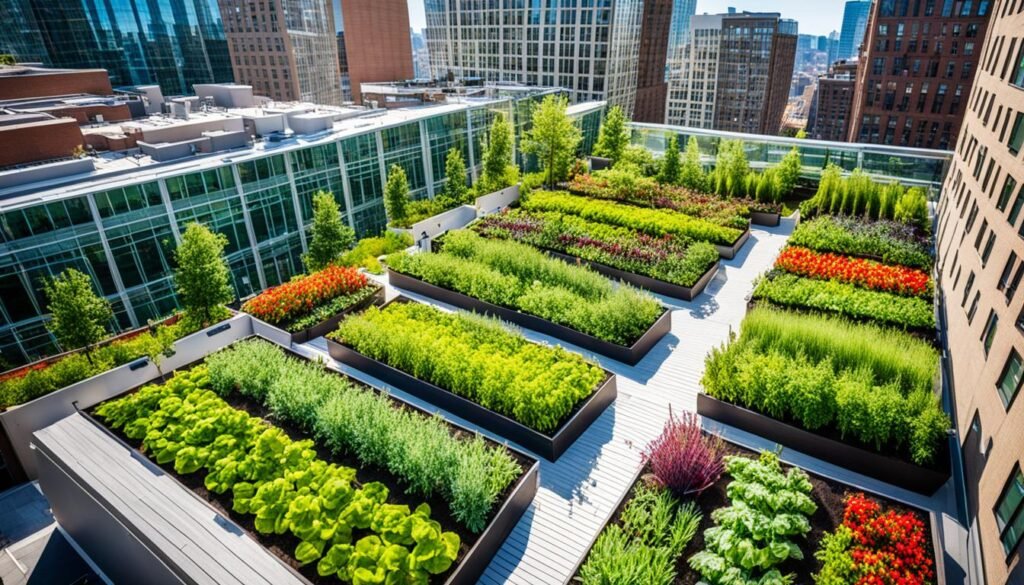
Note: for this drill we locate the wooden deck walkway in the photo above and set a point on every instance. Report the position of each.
(580, 492)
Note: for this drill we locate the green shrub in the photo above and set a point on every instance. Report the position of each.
(654, 222)
(475, 358)
(859, 195)
(832, 296)
(871, 385)
(643, 547)
(887, 241)
(351, 419)
(521, 277)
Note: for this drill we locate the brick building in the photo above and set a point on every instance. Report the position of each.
(830, 117)
(918, 66)
(651, 86)
(377, 42)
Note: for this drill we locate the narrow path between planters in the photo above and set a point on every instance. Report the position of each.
(580, 491)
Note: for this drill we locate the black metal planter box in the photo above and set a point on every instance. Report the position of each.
(549, 446)
(325, 327)
(729, 252)
(646, 282)
(765, 218)
(885, 468)
(487, 544)
(627, 355)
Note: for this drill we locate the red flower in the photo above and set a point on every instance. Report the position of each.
(861, 272)
(888, 548)
(295, 298)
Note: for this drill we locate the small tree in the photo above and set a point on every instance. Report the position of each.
(499, 170)
(801, 134)
(455, 191)
(331, 236)
(78, 315)
(553, 138)
(732, 167)
(691, 175)
(613, 138)
(789, 171)
(671, 171)
(202, 278)
(396, 194)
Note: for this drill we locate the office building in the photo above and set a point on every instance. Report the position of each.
(917, 70)
(830, 112)
(285, 50)
(737, 72)
(590, 49)
(346, 82)
(140, 42)
(378, 45)
(855, 21)
(833, 47)
(980, 247)
(420, 57)
(245, 168)
(20, 35)
(651, 85)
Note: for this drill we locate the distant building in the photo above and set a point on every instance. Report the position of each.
(420, 57)
(833, 47)
(287, 50)
(651, 85)
(171, 43)
(855, 21)
(593, 52)
(832, 102)
(378, 46)
(20, 35)
(346, 82)
(737, 73)
(916, 73)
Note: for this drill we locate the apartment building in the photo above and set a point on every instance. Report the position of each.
(736, 73)
(980, 247)
(833, 100)
(286, 50)
(918, 66)
(590, 48)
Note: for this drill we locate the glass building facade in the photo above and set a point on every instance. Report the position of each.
(124, 237)
(170, 43)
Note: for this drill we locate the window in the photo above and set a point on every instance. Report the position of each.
(1016, 207)
(1004, 197)
(1009, 381)
(1017, 134)
(967, 288)
(1009, 511)
(974, 308)
(987, 251)
(1004, 277)
(1018, 72)
(1011, 289)
(989, 333)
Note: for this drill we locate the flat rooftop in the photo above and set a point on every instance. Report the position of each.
(115, 168)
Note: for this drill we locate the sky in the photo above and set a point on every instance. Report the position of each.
(816, 17)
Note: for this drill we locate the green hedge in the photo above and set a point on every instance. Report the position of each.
(475, 358)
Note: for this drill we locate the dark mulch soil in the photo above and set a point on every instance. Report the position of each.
(829, 495)
(283, 546)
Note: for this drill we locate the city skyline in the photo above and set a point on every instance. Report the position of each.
(817, 22)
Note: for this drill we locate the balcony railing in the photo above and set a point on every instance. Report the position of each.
(911, 166)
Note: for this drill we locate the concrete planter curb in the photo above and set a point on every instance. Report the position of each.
(765, 218)
(21, 421)
(729, 252)
(882, 467)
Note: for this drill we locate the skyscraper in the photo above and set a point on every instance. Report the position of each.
(378, 46)
(917, 72)
(651, 83)
(287, 50)
(833, 100)
(590, 49)
(979, 273)
(19, 35)
(174, 44)
(678, 36)
(736, 74)
(855, 21)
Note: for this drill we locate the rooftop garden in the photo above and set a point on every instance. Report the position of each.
(354, 485)
(706, 512)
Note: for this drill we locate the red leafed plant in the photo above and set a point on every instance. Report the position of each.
(300, 296)
(861, 272)
(683, 459)
(888, 548)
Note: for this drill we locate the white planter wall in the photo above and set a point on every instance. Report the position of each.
(496, 201)
(21, 421)
(460, 217)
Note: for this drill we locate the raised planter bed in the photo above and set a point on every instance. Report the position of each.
(646, 282)
(629, 355)
(729, 252)
(827, 493)
(551, 446)
(599, 163)
(765, 218)
(468, 567)
(324, 327)
(19, 422)
(882, 467)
